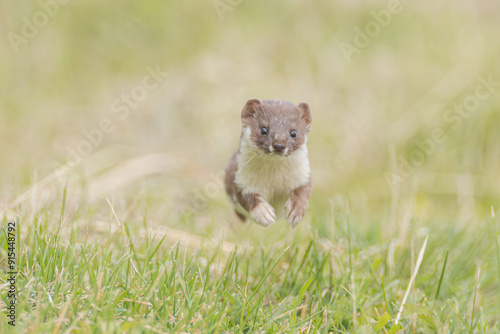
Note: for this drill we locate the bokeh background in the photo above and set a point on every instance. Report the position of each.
(166, 154)
(410, 100)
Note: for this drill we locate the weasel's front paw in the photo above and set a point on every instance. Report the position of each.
(295, 210)
(263, 214)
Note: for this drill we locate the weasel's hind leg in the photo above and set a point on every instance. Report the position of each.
(242, 217)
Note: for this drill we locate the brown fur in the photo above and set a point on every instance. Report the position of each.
(279, 118)
(298, 203)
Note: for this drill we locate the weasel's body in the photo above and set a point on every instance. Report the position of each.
(270, 171)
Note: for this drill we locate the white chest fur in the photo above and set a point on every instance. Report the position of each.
(271, 176)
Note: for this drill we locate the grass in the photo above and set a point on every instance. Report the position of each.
(131, 279)
(139, 236)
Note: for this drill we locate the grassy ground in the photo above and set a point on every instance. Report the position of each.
(332, 275)
(134, 233)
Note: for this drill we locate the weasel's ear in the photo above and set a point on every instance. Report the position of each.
(249, 110)
(305, 113)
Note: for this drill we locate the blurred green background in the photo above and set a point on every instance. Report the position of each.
(370, 110)
(405, 144)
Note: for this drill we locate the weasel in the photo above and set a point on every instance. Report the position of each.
(270, 171)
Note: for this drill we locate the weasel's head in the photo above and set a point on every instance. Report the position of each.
(276, 127)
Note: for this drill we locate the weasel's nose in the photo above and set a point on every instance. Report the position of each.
(279, 147)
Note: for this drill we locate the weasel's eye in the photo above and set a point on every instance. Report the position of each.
(264, 131)
(293, 133)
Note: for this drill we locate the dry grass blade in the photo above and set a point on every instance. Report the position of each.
(412, 279)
